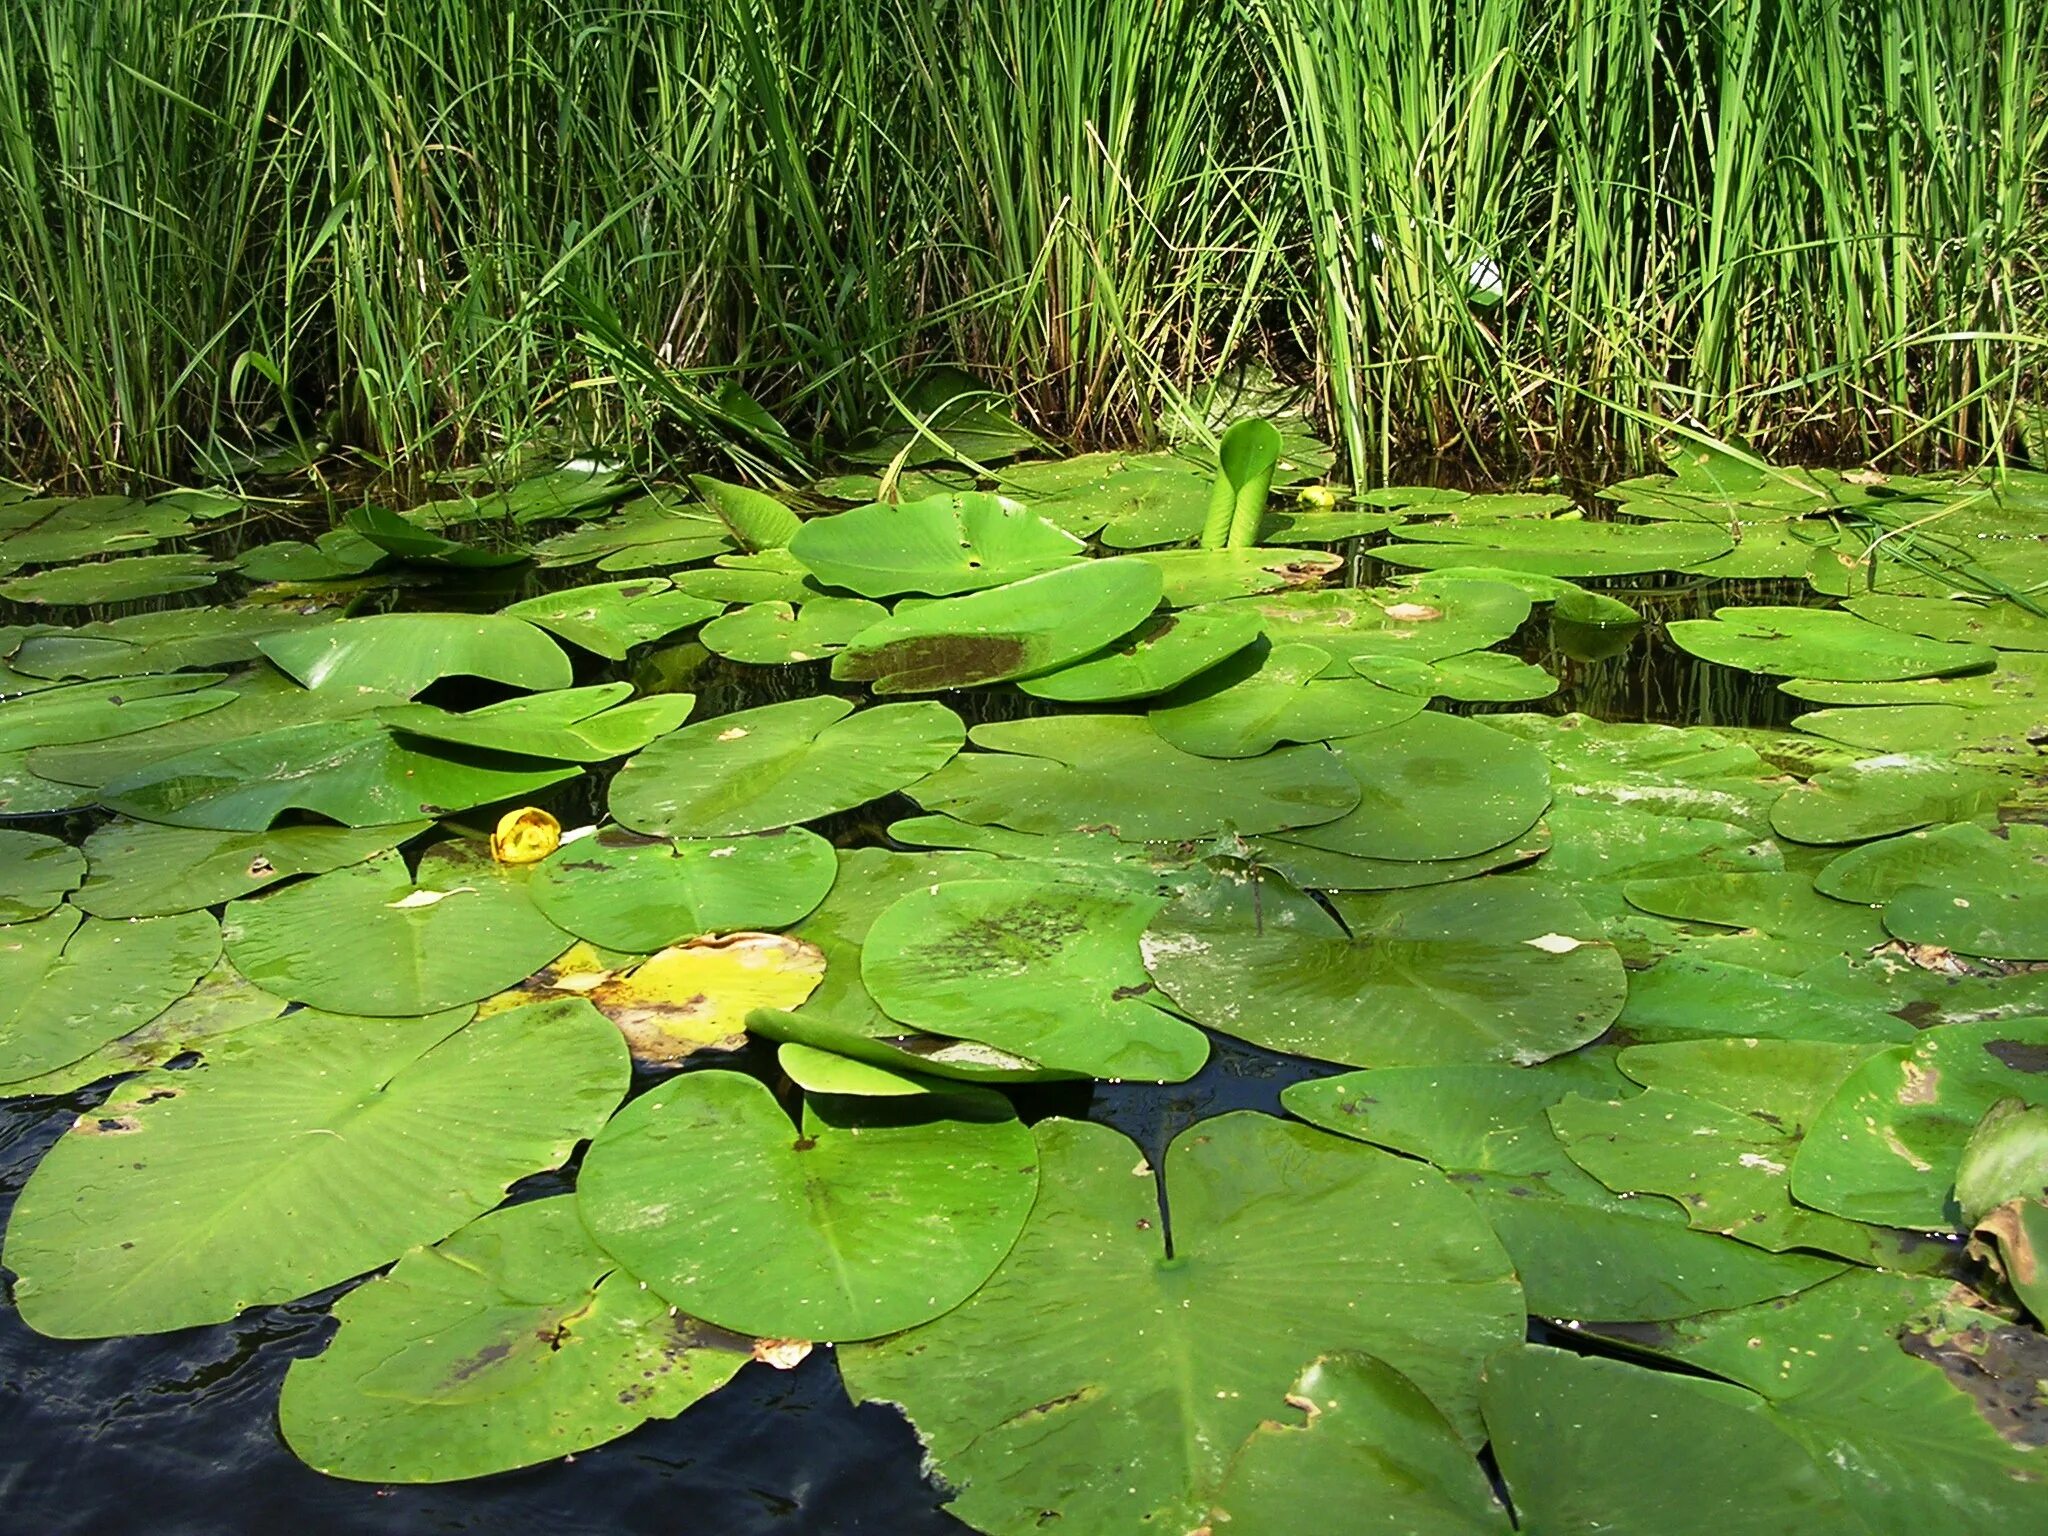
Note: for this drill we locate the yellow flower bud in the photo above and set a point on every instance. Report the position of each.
(525, 836)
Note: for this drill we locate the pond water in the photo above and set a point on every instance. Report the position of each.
(180, 1428)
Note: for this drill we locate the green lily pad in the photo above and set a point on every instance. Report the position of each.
(388, 533)
(754, 520)
(1158, 656)
(511, 1342)
(1319, 525)
(1032, 625)
(1882, 795)
(1367, 1442)
(1581, 1252)
(1675, 1453)
(778, 634)
(1041, 969)
(1435, 786)
(875, 1216)
(567, 490)
(54, 531)
(1717, 1131)
(1066, 772)
(1474, 676)
(637, 894)
(1163, 1367)
(199, 1023)
(1935, 856)
(1264, 696)
(650, 533)
(73, 983)
(1195, 576)
(36, 873)
(1886, 1146)
(351, 771)
(569, 725)
(336, 555)
(941, 545)
(841, 1017)
(1318, 869)
(115, 581)
(1820, 643)
(817, 1071)
(1144, 499)
(1564, 546)
(366, 939)
(140, 869)
(1492, 971)
(314, 1149)
(1425, 623)
(403, 653)
(610, 618)
(2002, 625)
(780, 764)
(773, 576)
(87, 712)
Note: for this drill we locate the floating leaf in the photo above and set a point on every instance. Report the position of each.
(1565, 546)
(1162, 653)
(160, 642)
(2006, 626)
(54, 531)
(1041, 969)
(817, 1071)
(570, 725)
(941, 545)
(1162, 1367)
(1067, 772)
(511, 1342)
(68, 984)
(1882, 795)
(366, 939)
(317, 1148)
(1434, 787)
(632, 893)
(1194, 576)
(115, 581)
(1268, 695)
(403, 653)
(779, 634)
(780, 764)
(1886, 1147)
(1369, 1444)
(36, 873)
(388, 533)
(1820, 643)
(1491, 971)
(1144, 499)
(337, 555)
(876, 1215)
(610, 618)
(1032, 625)
(1318, 869)
(753, 519)
(140, 869)
(87, 712)
(351, 771)
(651, 532)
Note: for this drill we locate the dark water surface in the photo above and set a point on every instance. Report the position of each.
(176, 1435)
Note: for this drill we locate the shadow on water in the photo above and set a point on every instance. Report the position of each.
(177, 1432)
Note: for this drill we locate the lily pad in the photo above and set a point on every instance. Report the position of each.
(874, 1216)
(780, 764)
(1886, 1147)
(1563, 546)
(2002, 625)
(569, 725)
(1425, 623)
(1159, 655)
(1041, 969)
(54, 531)
(87, 712)
(753, 519)
(1821, 643)
(337, 555)
(511, 1342)
(610, 618)
(1195, 576)
(779, 634)
(638, 894)
(940, 546)
(1067, 772)
(140, 869)
(70, 983)
(318, 1147)
(36, 873)
(1144, 499)
(1882, 795)
(388, 533)
(366, 939)
(1092, 1347)
(403, 653)
(1268, 695)
(115, 581)
(1032, 625)
(651, 533)
(1486, 971)
(1435, 786)
(1368, 1443)
(352, 771)
(1474, 676)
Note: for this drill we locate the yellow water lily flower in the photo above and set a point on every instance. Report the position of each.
(525, 836)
